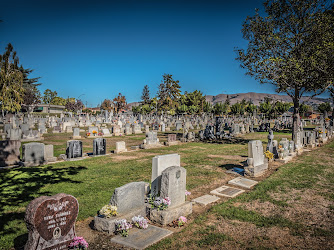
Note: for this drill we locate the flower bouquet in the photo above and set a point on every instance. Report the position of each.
(108, 211)
(78, 243)
(139, 222)
(181, 221)
(160, 203)
(122, 227)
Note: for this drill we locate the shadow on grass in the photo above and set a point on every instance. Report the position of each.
(20, 241)
(21, 185)
(235, 140)
(231, 166)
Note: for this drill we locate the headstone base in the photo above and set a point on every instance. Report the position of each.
(256, 171)
(33, 164)
(51, 159)
(164, 217)
(137, 132)
(285, 160)
(107, 225)
(172, 143)
(106, 136)
(75, 137)
(149, 146)
(32, 139)
(120, 151)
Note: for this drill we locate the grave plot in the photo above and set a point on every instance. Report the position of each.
(243, 182)
(225, 191)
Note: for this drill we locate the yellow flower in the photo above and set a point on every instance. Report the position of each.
(269, 155)
(108, 211)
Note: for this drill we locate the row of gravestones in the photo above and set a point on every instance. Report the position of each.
(283, 151)
(51, 220)
(33, 154)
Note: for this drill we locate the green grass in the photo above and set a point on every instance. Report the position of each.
(312, 171)
(92, 182)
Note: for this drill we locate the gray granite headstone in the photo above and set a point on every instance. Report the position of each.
(99, 146)
(76, 132)
(129, 197)
(159, 164)
(74, 149)
(33, 153)
(9, 152)
(173, 185)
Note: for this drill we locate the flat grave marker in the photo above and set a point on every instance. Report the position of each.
(243, 182)
(142, 238)
(206, 199)
(225, 191)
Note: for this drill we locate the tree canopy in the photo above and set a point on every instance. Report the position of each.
(145, 97)
(291, 48)
(11, 81)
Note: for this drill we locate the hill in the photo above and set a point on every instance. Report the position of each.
(256, 98)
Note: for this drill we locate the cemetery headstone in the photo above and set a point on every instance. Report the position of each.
(99, 146)
(74, 149)
(50, 221)
(120, 147)
(257, 164)
(33, 154)
(9, 152)
(159, 164)
(48, 153)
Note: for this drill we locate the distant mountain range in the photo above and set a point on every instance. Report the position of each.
(255, 97)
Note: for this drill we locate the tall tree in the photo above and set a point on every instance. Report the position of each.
(48, 96)
(324, 107)
(196, 99)
(107, 105)
(11, 81)
(58, 101)
(75, 106)
(119, 103)
(32, 95)
(168, 93)
(291, 48)
(146, 95)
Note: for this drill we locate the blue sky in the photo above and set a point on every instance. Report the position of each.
(96, 49)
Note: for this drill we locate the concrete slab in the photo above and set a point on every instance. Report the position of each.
(285, 160)
(142, 238)
(225, 191)
(206, 199)
(243, 182)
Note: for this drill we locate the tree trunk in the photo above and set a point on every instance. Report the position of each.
(296, 120)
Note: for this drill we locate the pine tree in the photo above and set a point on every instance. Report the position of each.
(11, 81)
(146, 95)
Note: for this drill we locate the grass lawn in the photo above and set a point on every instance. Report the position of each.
(92, 182)
(293, 208)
